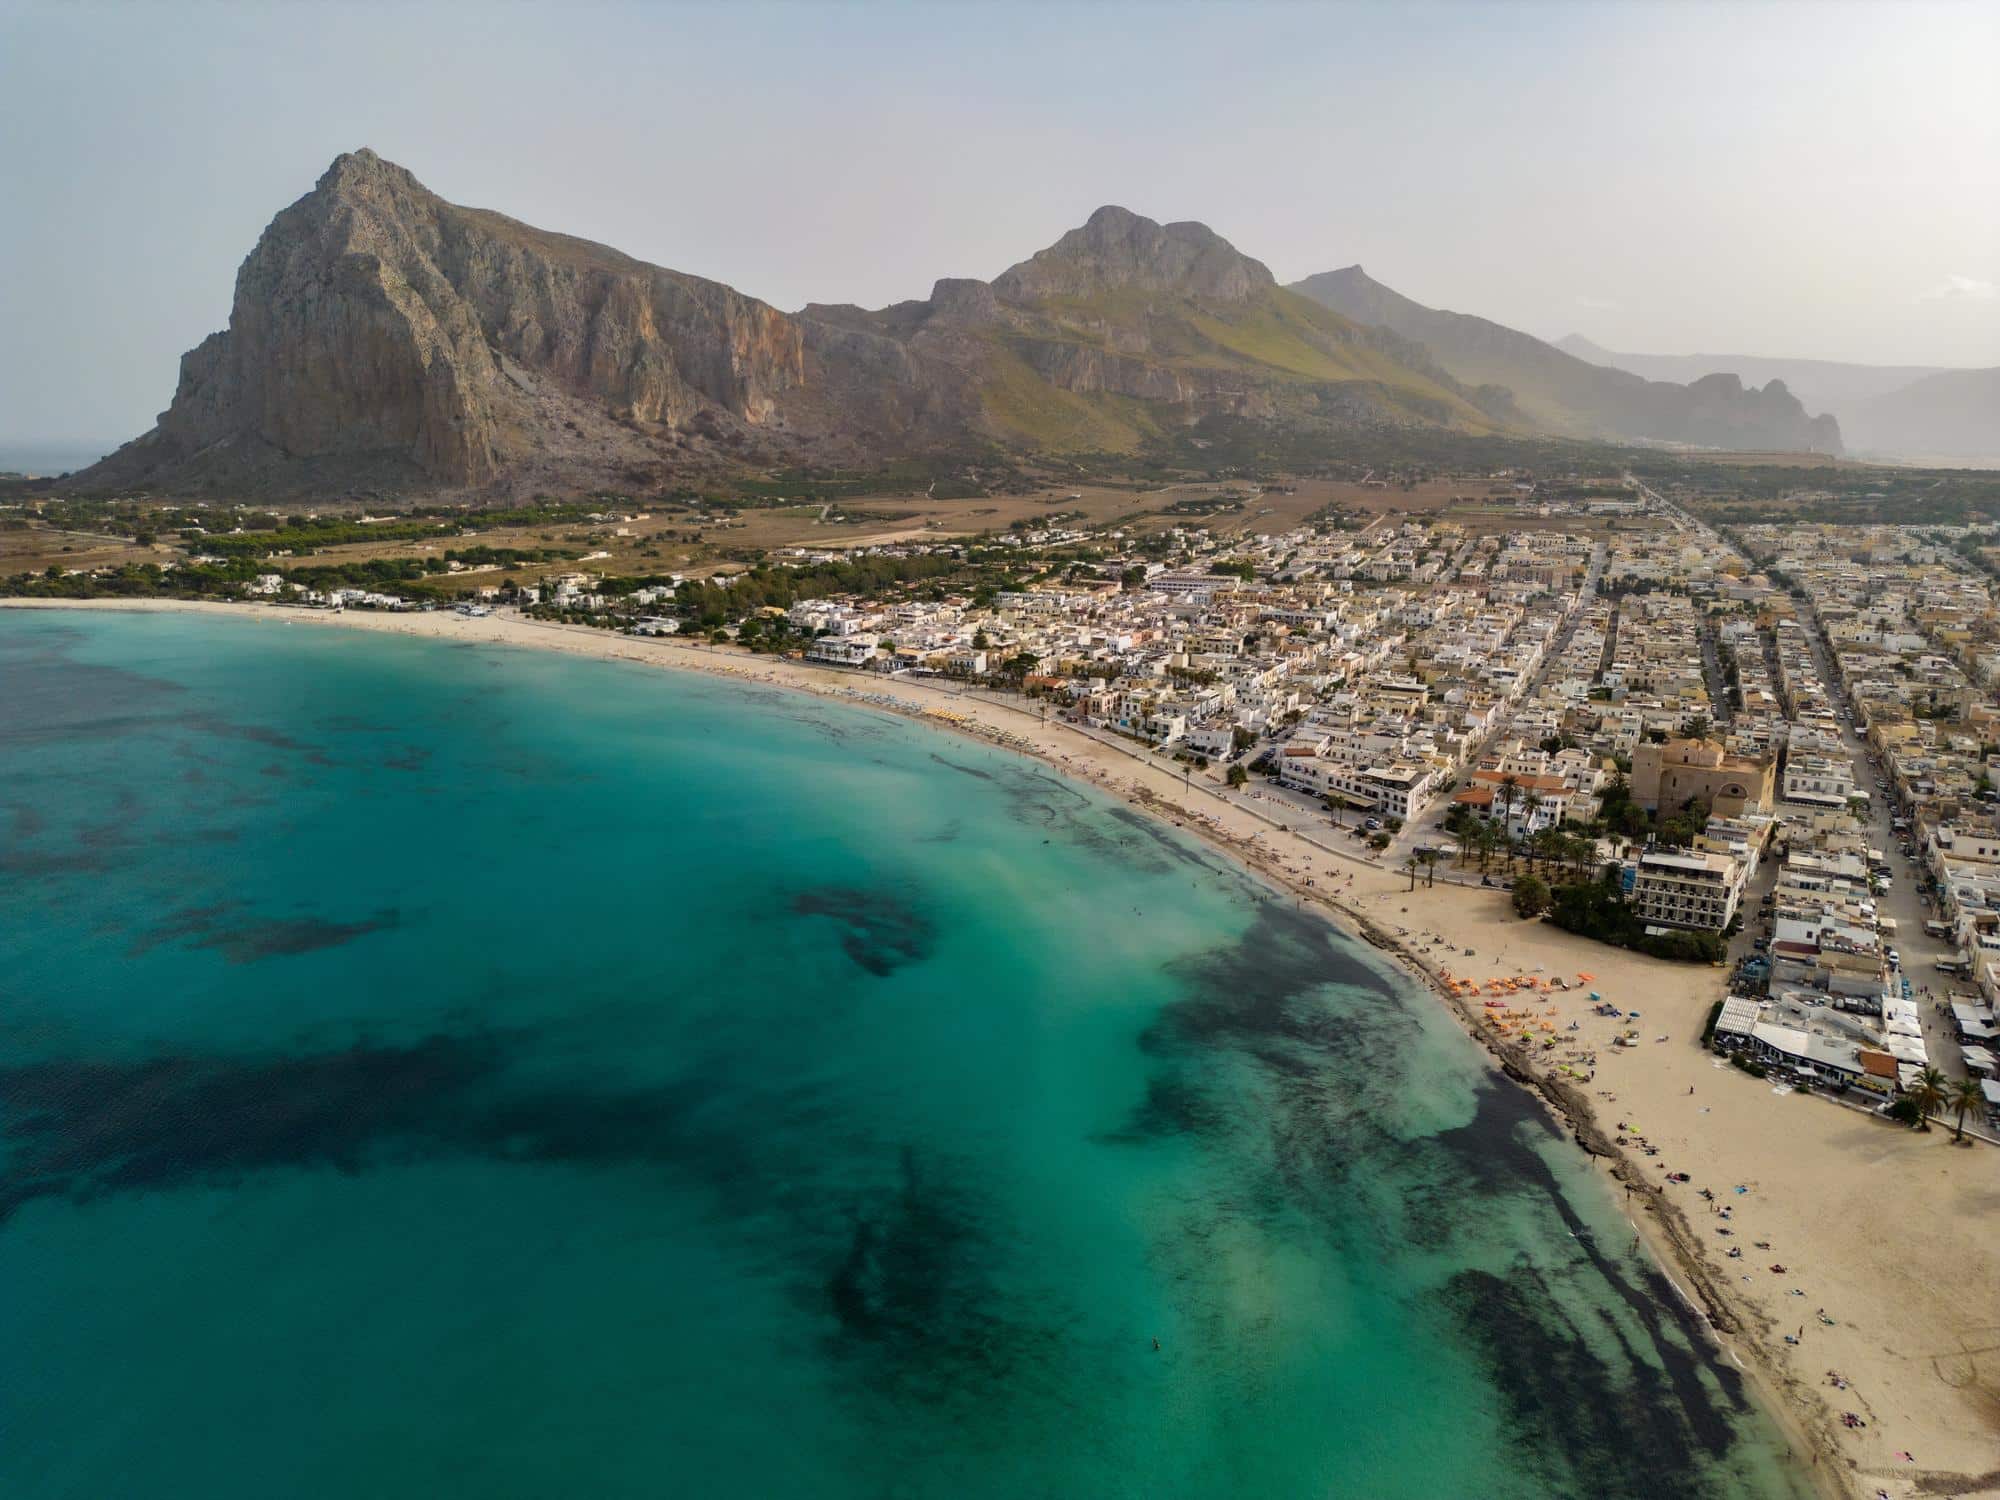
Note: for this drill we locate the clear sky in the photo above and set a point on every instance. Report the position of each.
(1786, 179)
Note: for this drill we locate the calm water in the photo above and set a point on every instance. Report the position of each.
(431, 1070)
(50, 458)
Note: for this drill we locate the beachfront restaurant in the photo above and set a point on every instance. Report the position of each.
(1832, 1060)
(1823, 1059)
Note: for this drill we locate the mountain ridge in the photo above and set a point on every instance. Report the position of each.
(383, 338)
(1573, 396)
(1827, 383)
(1913, 412)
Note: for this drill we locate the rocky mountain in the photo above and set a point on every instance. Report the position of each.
(1569, 395)
(1915, 412)
(1125, 327)
(1822, 384)
(382, 338)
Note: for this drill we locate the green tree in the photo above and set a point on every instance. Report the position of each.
(1927, 1093)
(1962, 1096)
(1237, 776)
(1531, 896)
(1487, 836)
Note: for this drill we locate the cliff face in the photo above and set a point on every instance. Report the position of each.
(382, 335)
(382, 338)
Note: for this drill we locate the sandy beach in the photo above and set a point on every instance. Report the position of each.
(1887, 1237)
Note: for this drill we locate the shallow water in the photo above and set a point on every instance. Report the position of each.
(431, 1069)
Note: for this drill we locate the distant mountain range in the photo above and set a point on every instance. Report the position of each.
(1917, 412)
(382, 338)
(1565, 394)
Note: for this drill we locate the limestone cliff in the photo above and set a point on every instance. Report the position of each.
(382, 336)
(383, 339)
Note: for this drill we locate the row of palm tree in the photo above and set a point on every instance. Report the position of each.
(1552, 851)
(1932, 1093)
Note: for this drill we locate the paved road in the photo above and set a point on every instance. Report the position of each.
(1901, 903)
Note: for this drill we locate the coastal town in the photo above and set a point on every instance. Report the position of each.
(1766, 747)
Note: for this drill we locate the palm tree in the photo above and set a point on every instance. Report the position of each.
(1547, 844)
(1531, 801)
(1428, 858)
(1583, 854)
(1927, 1093)
(1963, 1095)
(1507, 785)
(1410, 864)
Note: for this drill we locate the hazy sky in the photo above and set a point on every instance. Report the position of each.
(1796, 179)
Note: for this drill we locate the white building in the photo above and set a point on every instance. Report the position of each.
(1818, 780)
(843, 650)
(1683, 888)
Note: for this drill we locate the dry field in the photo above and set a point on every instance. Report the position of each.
(37, 547)
(677, 540)
(1756, 460)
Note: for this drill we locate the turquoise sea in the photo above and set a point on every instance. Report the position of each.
(433, 1070)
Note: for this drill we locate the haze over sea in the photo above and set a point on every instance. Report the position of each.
(439, 1070)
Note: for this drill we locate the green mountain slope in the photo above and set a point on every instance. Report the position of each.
(1125, 327)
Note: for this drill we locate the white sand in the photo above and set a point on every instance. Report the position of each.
(1895, 1234)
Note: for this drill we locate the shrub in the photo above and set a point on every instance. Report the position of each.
(1598, 909)
(1531, 896)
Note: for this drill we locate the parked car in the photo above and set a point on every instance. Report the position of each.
(1895, 959)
